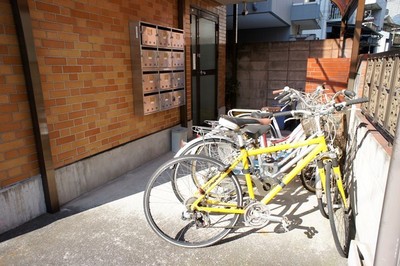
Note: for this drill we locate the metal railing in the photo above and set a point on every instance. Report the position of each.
(382, 86)
(334, 12)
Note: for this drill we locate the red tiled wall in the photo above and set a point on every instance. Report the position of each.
(83, 52)
(334, 72)
(18, 159)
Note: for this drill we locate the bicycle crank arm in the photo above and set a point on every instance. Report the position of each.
(282, 220)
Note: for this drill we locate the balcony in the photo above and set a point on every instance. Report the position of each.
(334, 13)
(375, 4)
(259, 15)
(306, 14)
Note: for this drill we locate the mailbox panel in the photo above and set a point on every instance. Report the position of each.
(150, 82)
(166, 100)
(165, 81)
(164, 38)
(151, 104)
(149, 35)
(149, 59)
(158, 67)
(178, 98)
(178, 40)
(178, 60)
(179, 80)
(165, 59)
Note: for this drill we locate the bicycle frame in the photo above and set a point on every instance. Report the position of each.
(319, 152)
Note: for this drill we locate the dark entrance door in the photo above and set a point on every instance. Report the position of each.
(204, 33)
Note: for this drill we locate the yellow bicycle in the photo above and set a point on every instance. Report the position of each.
(195, 201)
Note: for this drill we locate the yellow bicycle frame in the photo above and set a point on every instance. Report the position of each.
(320, 146)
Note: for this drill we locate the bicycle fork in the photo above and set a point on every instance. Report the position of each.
(321, 183)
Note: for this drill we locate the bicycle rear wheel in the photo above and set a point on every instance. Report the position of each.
(216, 147)
(170, 217)
(339, 215)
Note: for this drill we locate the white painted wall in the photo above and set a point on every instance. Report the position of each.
(370, 169)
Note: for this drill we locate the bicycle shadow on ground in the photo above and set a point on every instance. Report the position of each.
(290, 202)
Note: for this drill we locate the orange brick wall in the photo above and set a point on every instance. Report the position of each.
(18, 158)
(83, 52)
(334, 72)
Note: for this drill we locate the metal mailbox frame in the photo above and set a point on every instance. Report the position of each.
(158, 67)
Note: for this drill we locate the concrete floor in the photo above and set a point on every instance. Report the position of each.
(107, 227)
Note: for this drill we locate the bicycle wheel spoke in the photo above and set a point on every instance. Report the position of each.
(171, 191)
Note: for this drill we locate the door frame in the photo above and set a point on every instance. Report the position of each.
(200, 13)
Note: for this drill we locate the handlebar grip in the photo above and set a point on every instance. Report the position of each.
(284, 99)
(261, 114)
(349, 94)
(277, 91)
(282, 95)
(285, 113)
(359, 100)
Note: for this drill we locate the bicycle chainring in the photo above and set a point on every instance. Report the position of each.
(257, 215)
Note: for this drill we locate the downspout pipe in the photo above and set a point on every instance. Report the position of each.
(33, 84)
(234, 50)
(181, 23)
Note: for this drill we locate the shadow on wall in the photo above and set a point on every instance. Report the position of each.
(263, 67)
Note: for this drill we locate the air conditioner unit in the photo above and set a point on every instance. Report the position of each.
(396, 38)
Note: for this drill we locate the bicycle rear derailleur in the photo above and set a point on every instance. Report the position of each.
(199, 218)
(259, 215)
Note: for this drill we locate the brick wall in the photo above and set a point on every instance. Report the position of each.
(334, 72)
(84, 60)
(83, 52)
(18, 159)
(264, 67)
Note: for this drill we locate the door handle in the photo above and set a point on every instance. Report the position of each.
(203, 73)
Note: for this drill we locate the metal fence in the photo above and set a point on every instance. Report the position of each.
(382, 86)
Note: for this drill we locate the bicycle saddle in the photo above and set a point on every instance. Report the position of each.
(235, 123)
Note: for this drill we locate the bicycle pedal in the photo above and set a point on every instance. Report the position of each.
(186, 215)
(283, 220)
(285, 223)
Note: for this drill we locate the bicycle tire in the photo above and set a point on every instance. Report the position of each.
(323, 207)
(307, 178)
(165, 213)
(216, 147)
(339, 216)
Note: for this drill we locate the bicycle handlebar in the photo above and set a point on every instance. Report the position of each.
(336, 106)
(285, 113)
(339, 106)
(277, 91)
(282, 95)
(349, 94)
(358, 100)
(262, 114)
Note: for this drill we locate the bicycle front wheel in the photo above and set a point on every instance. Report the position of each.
(307, 178)
(170, 216)
(339, 215)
